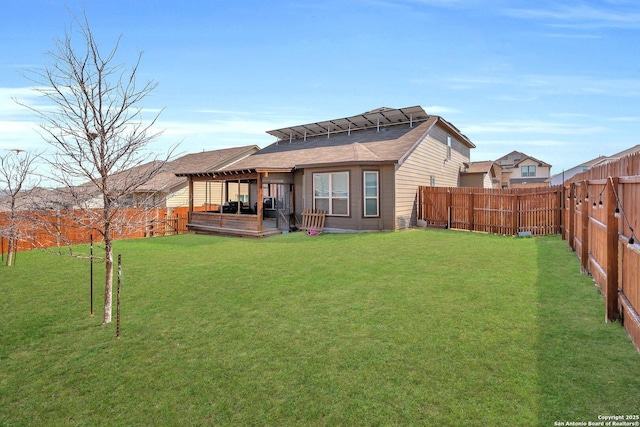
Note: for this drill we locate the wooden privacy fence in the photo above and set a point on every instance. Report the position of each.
(603, 212)
(500, 211)
(597, 212)
(47, 228)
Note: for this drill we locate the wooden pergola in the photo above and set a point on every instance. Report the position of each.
(230, 223)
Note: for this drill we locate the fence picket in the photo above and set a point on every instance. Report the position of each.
(45, 229)
(493, 210)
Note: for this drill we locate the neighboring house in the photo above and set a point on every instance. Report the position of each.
(165, 189)
(519, 170)
(600, 160)
(363, 171)
(484, 174)
(169, 190)
(35, 198)
(559, 178)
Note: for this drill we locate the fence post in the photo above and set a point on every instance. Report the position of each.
(471, 226)
(560, 213)
(572, 216)
(584, 255)
(420, 201)
(514, 206)
(448, 199)
(611, 294)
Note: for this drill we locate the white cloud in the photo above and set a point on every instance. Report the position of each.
(549, 84)
(204, 128)
(624, 119)
(532, 127)
(513, 98)
(439, 109)
(581, 16)
(246, 127)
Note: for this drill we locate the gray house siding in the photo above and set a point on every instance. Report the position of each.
(303, 184)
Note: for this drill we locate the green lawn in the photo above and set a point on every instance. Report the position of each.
(422, 327)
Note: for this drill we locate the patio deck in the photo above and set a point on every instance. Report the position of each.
(231, 224)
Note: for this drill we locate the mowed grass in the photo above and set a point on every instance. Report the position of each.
(422, 327)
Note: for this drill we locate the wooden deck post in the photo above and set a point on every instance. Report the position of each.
(259, 206)
(190, 179)
(611, 294)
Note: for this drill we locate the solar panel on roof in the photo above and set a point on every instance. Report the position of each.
(367, 120)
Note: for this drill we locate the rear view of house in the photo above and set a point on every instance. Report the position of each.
(363, 171)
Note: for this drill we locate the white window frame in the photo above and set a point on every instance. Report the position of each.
(528, 169)
(330, 198)
(448, 146)
(365, 197)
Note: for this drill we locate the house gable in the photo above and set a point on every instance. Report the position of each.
(522, 170)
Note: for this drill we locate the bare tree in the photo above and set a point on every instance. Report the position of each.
(96, 127)
(16, 169)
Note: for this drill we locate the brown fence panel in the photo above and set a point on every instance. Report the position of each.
(433, 205)
(603, 210)
(45, 229)
(537, 211)
(461, 209)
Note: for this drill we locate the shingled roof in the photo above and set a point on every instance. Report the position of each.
(196, 162)
(477, 167)
(389, 144)
(172, 172)
(514, 158)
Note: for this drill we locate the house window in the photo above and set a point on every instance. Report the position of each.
(528, 171)
(448, 146)
(432, 180)
(331, 193)
(371, 194)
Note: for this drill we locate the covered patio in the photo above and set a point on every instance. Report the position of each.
(239, 203)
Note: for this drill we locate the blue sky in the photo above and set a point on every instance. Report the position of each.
(558, 80)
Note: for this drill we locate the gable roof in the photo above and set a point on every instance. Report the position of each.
(617, 156)
(380, 136)
(598, 161)
(478, 167)
(366, 146)
(514, 158)
(201, 162)
(166, 179)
